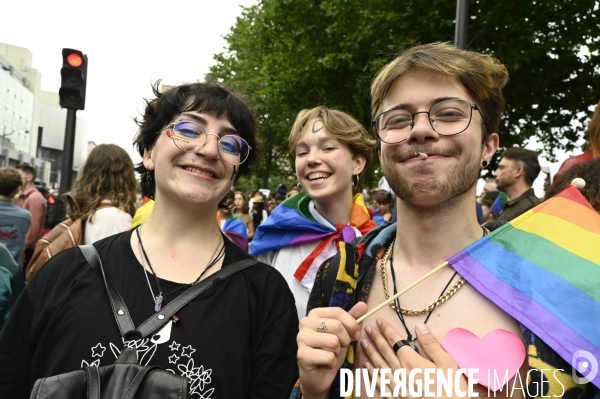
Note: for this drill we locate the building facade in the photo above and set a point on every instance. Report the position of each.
(19, 110)
(32, 122)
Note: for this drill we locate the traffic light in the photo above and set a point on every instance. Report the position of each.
(74, 79)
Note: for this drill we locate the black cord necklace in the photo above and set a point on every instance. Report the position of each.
(409, 337)
(158, 299)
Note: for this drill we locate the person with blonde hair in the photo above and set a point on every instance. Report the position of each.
(332, 151)
(104, 193)
(436, 111)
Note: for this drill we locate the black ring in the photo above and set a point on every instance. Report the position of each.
(400, 344)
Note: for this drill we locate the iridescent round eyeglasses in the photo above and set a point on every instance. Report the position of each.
(189, 136)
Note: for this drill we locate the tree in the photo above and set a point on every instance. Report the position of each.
(288, 55)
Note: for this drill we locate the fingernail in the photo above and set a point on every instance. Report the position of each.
(369, 366)
(378, 321)
(368, 329)
(422, 329)
(364, 344)
(357, 335)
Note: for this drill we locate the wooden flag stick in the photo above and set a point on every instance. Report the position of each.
(392, 298)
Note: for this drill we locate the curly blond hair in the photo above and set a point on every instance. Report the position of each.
(106, 174)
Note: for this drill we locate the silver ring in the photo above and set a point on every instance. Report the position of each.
(322, 327)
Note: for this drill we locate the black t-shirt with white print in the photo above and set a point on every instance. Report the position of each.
(235, 340)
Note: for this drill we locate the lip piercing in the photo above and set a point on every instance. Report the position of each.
(421, 155)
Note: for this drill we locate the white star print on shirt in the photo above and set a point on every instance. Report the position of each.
(187, 348)
(98, 350)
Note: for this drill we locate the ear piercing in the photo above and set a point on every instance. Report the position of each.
(484, 163)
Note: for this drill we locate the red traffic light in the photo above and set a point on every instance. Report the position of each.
(75, 60)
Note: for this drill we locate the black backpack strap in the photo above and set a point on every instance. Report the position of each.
(155, 322)
(120, 311)
(92, 376)
(159, 319)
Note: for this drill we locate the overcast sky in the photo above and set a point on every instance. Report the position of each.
(130, 44)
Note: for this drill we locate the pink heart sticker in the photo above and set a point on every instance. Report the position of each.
(498, 353)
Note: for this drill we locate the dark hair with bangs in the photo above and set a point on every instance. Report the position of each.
(213, 99)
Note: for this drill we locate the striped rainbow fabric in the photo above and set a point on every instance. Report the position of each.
(235, 229)
(543, 268)
(499, 202)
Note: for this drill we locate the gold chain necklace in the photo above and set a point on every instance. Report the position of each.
(443, 298)
(409, 312)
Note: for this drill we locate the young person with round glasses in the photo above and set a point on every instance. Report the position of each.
(432, 152)
(235, 340)
(333, 151)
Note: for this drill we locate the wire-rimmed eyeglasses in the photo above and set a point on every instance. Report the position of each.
(189, 136)
(447, 118)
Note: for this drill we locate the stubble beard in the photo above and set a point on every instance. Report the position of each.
(454, 184)
(501, 185)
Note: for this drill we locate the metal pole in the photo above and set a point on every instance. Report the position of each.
(462, 21)
(38, 151)
(68, 149)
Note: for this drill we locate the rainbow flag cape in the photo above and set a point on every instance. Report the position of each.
(499, 202)
(235, 229)
(543, 268)
(291, 223)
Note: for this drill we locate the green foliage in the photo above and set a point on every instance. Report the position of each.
(289, 55)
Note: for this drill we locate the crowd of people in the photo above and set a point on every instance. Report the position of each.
(328, 249)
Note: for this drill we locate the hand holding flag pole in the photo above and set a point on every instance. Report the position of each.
(392, 298)
(543, 269)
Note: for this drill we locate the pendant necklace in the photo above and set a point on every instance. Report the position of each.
(409, 337)
(401, 312)
(162, 297)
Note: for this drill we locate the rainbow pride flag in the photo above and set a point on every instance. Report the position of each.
(543, 268)
(292, 223)
(235, 229)
(499, 202)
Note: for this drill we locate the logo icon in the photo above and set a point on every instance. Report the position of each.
(584, 364)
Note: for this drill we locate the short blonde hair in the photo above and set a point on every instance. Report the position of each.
(482, 76)
(339, 126)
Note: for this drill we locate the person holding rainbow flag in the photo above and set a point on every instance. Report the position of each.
(333, 151)
(520, 301)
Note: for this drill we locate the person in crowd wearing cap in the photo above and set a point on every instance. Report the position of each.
(257, 210)
(332, 152)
